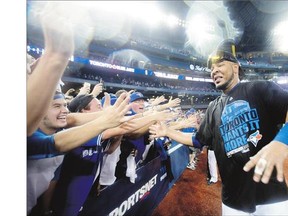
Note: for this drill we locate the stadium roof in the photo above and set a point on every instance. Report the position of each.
(252, 24)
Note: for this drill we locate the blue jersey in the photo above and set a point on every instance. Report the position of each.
(138, 143)
(43, 161)
(41, 145)
(77, 175)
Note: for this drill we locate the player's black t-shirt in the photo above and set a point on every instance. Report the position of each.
(238, 125)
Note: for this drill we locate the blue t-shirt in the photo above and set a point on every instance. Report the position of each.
(77, 175)
(41, 145)
(138, 143)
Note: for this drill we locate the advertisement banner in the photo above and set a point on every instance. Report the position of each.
(153, 182)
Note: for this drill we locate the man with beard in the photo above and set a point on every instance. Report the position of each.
(242, 125)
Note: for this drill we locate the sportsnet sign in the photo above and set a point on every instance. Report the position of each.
(126, 198)
(134, 198)
(153, 182)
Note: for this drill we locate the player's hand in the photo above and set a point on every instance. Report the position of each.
(271, 156)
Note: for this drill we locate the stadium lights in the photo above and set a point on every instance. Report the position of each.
(199, 31)
(207, 24)
(280, 36)
(172, 20)
(101, 14)
(132, 8)
(145, 11)
(282, 80)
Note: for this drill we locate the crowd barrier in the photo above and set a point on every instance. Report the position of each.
(153, 182)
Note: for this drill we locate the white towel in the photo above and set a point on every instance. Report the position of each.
(131, 168)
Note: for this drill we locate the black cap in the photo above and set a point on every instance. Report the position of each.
(225, 51)
(80, 102)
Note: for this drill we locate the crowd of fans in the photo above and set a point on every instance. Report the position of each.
(127, 78)
(73, 144)
(248, 60)
(148, 43)
(80, 142)
(75, 171)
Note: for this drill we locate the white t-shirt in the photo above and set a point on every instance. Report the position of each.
(39, 174)
(107, 175)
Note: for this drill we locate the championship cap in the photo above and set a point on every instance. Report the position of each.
(225, 51)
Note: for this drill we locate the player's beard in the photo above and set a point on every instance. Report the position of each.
(225, 85)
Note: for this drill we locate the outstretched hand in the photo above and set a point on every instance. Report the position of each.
(158, 130)
(58, 31)
(174, 102)
(98, 88)
(270, 156)
(116, 114)
(158, 100)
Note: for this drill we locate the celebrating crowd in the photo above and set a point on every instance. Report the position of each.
(75, 144)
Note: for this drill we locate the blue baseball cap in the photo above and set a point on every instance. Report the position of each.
(137, 96)
(190, 112)
(113, 99)
(58, 95)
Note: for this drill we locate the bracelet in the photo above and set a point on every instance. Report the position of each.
(282, 136)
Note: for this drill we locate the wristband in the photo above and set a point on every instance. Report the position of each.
(196, 142)
(282, 135)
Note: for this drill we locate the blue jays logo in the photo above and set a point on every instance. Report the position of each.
(254, 138)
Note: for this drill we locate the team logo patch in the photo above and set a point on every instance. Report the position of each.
(254, 138)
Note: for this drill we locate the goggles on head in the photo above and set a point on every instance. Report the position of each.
(220, 56)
